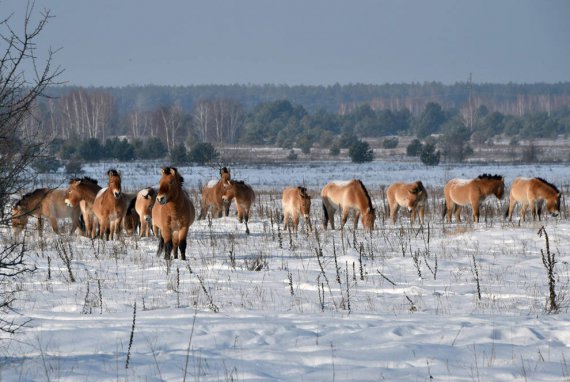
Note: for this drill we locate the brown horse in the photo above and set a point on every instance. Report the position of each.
(110, 207)
(212, 196)
(296, 201)
(172, 215)
(533, 192)
(44, 203)
(82, 192)
(131, 221)
(412, 196)
(144, 203)
(461, 192)
(244, 197)
(347, 195)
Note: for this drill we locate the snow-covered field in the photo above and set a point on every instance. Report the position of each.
(400, 304)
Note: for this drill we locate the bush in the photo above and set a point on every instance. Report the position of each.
(334, 150)
(292, 155)
(179, 156)
(429, 156)
(46, 165)
(390, 143)
(202, 153)
(414, 149)
(74, 167)
(360, 152)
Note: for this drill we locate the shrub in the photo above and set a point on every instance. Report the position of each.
(429, 156)
(202, 153)
(390, 143)
(414, 149)
(360, 152)
(179, 156)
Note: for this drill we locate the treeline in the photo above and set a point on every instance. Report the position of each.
(303, 117)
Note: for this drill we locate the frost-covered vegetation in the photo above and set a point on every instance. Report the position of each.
(452, 302)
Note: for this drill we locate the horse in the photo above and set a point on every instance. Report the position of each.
(143, 205)
(82, 192)
(172, 215)
(110, 207)
(131, 221)
(244, 196)
(533, 192)
(412, 196)
(294, 202)
(347, 195)
(44, 203)
(212, 196)
(460, 192)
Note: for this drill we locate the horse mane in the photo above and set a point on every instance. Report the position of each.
(237, 181)
(490, 177)
(30, 195)
(112, 172)
(168, 170)
(549, 184)
(365, 193)
(85, 179)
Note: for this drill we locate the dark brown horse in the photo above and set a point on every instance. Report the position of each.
(533, 192)
(412, 196)
(172, 214)
(212, 196)
(110, 207)
(82, 193)
(461, 192)
(244, 196)
(295, 202)
(44, 203)
(347, 195)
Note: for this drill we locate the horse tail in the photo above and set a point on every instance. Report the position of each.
(325, 212)
(444, 209)
(507, 211)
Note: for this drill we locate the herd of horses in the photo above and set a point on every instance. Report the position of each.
(168, 211)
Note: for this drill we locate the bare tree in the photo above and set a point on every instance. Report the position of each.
(23, 78)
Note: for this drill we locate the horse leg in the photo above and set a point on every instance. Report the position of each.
(393, 212)
(450, 209)
(182, 243)
(356, 217)
(344, 218)
(524, 206)
(203, 211)
(512, 203)
(295, 221)
(160, 245)
(457, 209)
(532, 204)
(168, 245)
(246, 218)
(475, 207)
(53, 223)
(285, 220)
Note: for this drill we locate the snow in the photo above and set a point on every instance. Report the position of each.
(264, 307)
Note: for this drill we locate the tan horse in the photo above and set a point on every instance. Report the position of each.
(533, 192)
(44, 203)
(412, 196)
(244, 197)
(110, 207)
(347, 195)
(212, 196)
(294, 202)
(172, 215)
(82, 192)
(144, 203)
(461, 192)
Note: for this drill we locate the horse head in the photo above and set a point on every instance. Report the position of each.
(170, 185)
(304, 202)
(553, 204)
(368, 218)
(114, 183)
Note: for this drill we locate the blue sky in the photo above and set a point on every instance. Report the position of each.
(323, 42)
